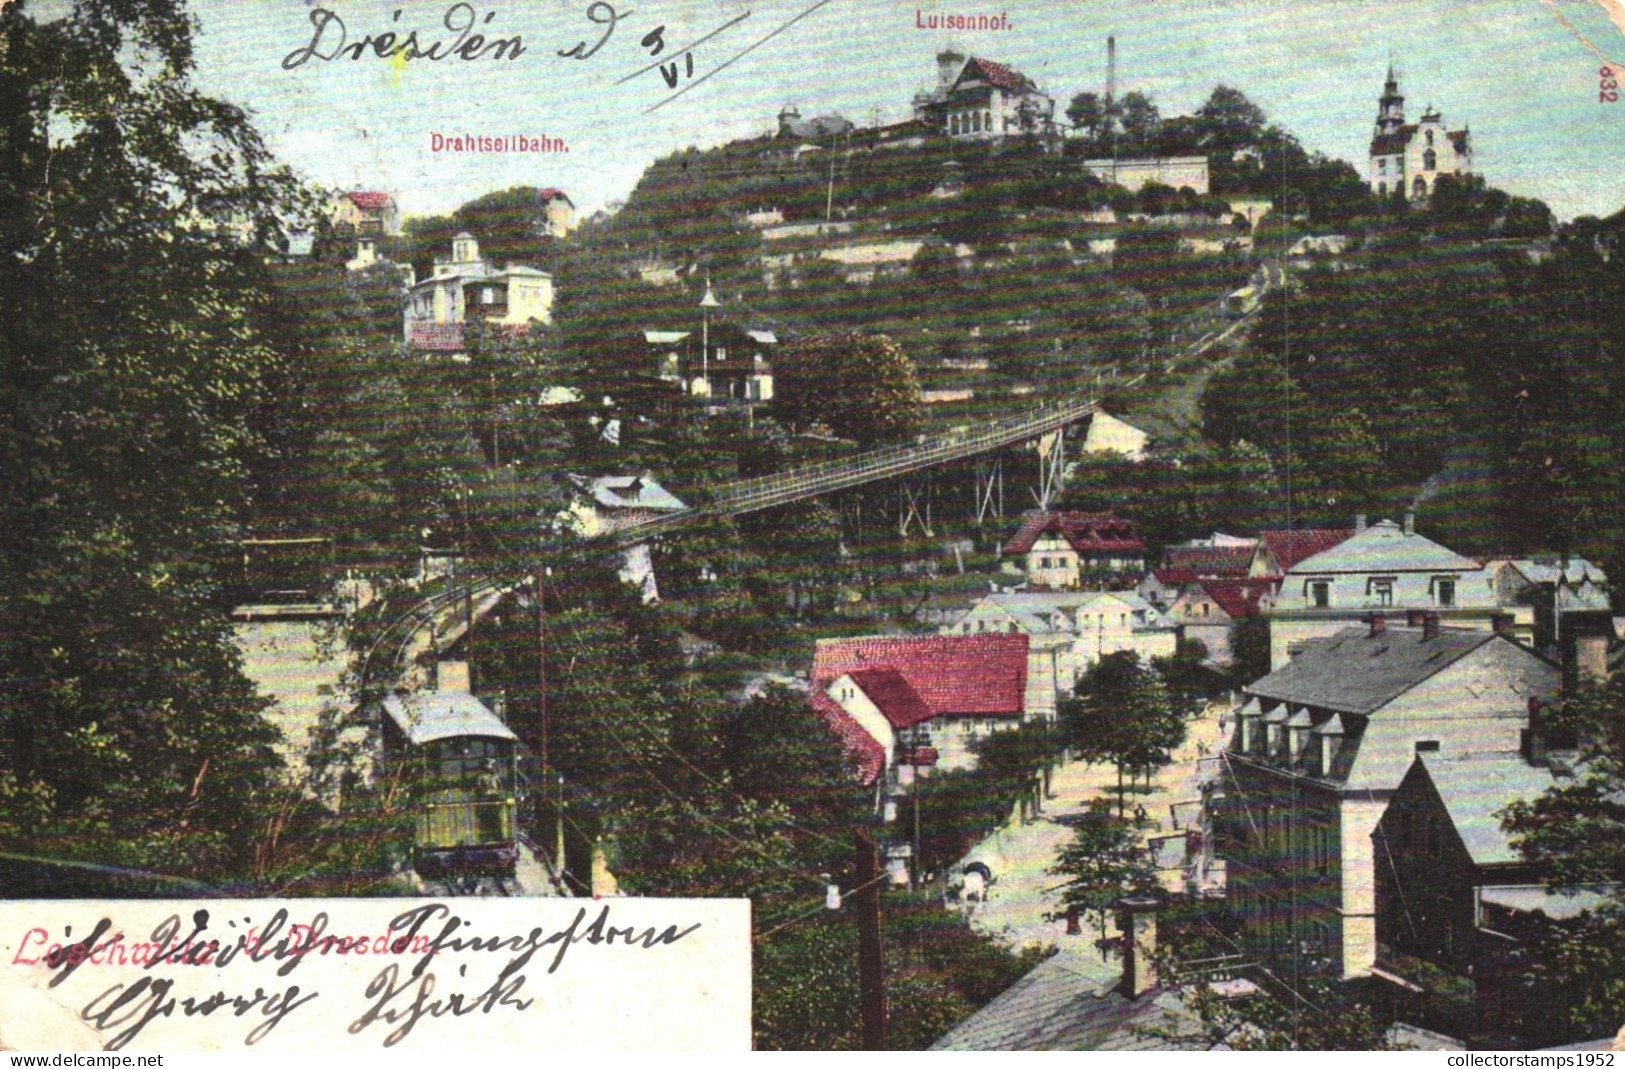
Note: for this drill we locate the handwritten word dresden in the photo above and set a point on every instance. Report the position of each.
(330, 40)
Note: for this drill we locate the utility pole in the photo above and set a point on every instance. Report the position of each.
(914, 869)
(871, 958)
(558, 834)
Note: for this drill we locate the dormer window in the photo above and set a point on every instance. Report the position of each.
(1444, 591)
(1380, 589)
(1319, 593)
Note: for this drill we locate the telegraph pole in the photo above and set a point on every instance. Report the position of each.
(871, 957)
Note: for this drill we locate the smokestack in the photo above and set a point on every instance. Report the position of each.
(1430, 625)
(1359, 522)
(1111, 68)
(1137, 917)
(1501, 623)
(1410, 522)
(1379, 624)
(1413, 617)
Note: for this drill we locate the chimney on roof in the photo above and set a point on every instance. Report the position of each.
(1501, 623)
(1430, 625)
(1379, 624)
(1591, 658)
(1137, 918)
(1532, 746)
(1359, 522)
(1410, 522)
(452, 676)
(1413, 617)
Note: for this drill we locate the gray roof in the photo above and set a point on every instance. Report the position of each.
(443, 714)
(1384, 547)
(628, 492)
(1063, 1004)
(1550, 569)
(1356, 672)
(1473, 791)
(1558, 903)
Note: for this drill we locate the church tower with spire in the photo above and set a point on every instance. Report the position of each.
(1409, 158)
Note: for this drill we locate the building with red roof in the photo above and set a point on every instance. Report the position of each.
(1211, 562)
(1061, 548)
(979, 99)
(902, 702)
(1279, 551)
(366, 211)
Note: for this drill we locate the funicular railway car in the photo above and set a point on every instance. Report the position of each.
(460, 763)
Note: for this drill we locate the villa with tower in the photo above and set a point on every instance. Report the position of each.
(979, 99)
(1410, 157)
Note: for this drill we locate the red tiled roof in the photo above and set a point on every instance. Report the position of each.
(861, 748)
(1173, 576)
(1238, 597)
(1086, 532)
(369, 200)
(965, 675)
(554, 193)
(896, 700)
(1210, 560)
(1394, 143)
(998, 74)
(1290, 547)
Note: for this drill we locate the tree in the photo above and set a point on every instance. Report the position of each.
(1574, 835)
(862, 386)
(1120, 711)
(130, 374)
(1090, 115)
(1228, 121)
(1104, 862)
(1140, 119)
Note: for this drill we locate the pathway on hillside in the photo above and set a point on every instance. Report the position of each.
(1025, 890)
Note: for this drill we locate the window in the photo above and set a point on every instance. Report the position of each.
(1382, 189)
(987, 121)
(1430, 160)
(1382, 166)
(1419, 187)
(1381, 591)
(953, 124)
(976, 122)
(1444, 592)
(1430, 138)
(1320, 594)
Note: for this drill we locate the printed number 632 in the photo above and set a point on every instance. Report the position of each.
(1608, 90)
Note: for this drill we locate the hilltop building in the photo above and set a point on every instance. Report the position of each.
(980, 100)
(468, 288)
(819, 128)
(1410, 157)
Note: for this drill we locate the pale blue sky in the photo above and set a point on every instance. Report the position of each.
(1526, 86)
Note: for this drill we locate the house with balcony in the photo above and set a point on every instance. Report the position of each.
(980, 100)
(1059, 549)
(469, 289)
(1320, 747)
(1388, 568)
(721, 361)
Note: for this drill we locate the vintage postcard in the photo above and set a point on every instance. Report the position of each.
(812, 525)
